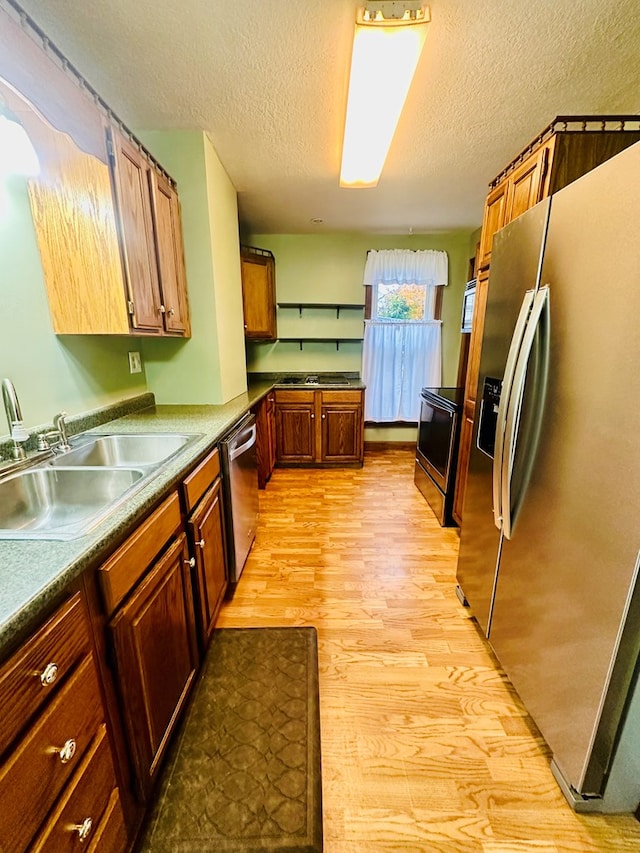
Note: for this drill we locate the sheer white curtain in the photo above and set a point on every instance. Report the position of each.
(400, 357)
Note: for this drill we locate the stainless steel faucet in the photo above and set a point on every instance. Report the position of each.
(14, 418)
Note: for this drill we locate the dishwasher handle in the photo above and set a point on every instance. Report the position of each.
(234, 452)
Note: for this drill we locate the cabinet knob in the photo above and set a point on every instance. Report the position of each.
(162, 309)
(83, 829)
(313, 417)
(49, 674)
(200, 544)
(191, 562)
(170, 312)
(245, 325)
(323, 417)
(67, 751)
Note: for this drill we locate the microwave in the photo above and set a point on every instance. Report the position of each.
(468, 301)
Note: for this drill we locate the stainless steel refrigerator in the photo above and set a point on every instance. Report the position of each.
(549, 548)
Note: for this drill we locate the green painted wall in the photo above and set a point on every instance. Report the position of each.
(209, 367)
(50, 372)
(329, 268)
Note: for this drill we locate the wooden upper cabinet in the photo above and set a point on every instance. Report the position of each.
(132, 175)
(493, 219)
(526, 183)
(151, 234)
(258, 293)
(173, 282)
(567, 149)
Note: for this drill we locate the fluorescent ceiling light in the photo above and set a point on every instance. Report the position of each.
(386, 51)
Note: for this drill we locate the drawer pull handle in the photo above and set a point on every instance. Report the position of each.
(191, 562)
(49, 674)
(83, 829)
(200, 544)
(67, 751)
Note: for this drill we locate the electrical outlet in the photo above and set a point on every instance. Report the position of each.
(135, 362)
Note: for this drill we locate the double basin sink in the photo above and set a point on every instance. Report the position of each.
(68, 494)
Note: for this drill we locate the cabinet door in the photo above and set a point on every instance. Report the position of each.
(477, 330)
(265, 438)
(132, 174)
(206, 526)
(526, 183)
(341, 431)
(154, 647)
(466, 435)
(492, 220)
(258, 296)
(295, 431)
(173, 280)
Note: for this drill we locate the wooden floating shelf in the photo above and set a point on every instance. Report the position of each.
(336, 341)
(333, 306)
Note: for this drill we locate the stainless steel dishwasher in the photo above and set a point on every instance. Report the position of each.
(240, 485)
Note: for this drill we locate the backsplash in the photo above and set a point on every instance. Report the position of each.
(83, 422)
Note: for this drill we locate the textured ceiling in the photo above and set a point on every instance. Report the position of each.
(268, 80)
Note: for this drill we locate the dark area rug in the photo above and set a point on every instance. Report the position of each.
(244, 773)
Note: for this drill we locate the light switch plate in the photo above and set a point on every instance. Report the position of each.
(135, 362)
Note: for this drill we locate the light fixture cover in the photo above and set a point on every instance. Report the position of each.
(384, 60)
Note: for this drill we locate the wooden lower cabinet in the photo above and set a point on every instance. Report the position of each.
(57, 774)
(202, 496)
(342, 436)
(319, 427)
(153, 642)
(265, 414)
(206, 533)
(466, 431)
(295, 427)
(78, 817)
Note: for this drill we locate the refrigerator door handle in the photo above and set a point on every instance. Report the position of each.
(505, 395)
(514, 410)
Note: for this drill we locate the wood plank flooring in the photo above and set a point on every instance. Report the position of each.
(425, 744)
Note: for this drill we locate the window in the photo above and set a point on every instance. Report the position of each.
(402, 339)
(404, 302)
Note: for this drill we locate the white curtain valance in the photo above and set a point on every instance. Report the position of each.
(403, 266)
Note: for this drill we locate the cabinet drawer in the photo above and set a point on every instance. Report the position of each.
(36, 770)
(34, 674)
(199, 480)
(341, 396)
(295, 396)
(111, 834)
(124, 569)
(77, 816)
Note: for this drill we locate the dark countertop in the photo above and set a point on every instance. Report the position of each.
(279, 380)
(35, 572)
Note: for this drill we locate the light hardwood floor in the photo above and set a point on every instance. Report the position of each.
(425, 745)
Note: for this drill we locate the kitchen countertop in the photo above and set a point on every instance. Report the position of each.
(276, 379)
(35, 572)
